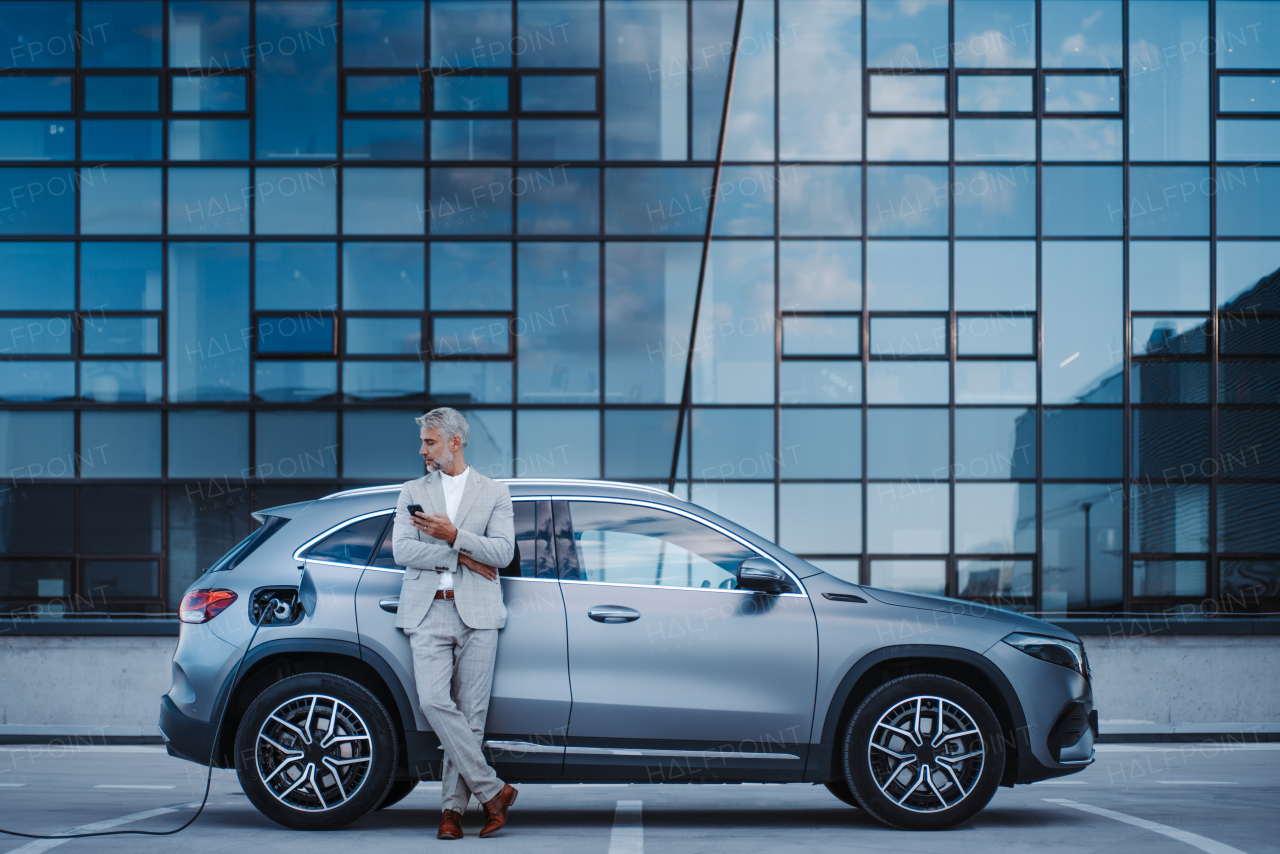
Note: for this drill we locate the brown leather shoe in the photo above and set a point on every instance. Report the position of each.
(496, 810)
(450, 825)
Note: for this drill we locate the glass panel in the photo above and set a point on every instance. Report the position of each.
(995, 382)
(383, 139)
(821, 336)
(296, 201)
(1099, 140)
(383, 380)
(490, 447)
(295, 444)
(555, 93)
(201, 530)
(558, 444)
(111, 335)
(1183, 336)
(819, 200)
(123, 94)
(1244, 272)
(39, 33)
(1243, 432)
(995, 444)
(910, 576)
(657, 201)
(908, 382)
(119, 579)
(906, 275)
(1248, 382)
(1167, 441)
(644, 121)
(209, 94)
(122, 519)
(42, 524)
(908, 93)
(995, 139)
(559, 360)
(454, 383)
(556, 200)
(1169, 201)
(1245, 196)
(120, 139)
(908, 336)
(296, 101)
(995, 274)
(353, 544)
(42, 201)
(907, 35)
(649, 290)
(907, 518)
(36, 578)
(1248, 139)
(470, 33)
(295, 276)
(383, 94)
(1081, 93)
(735, 329)
(1248, 517)
(907, 201)
(994, 94)
(638, 443)
(474, 276)
(208, 321)
(1083, 443)
(733, 444)
(634, 545)
(296, 333)
(1169, 275)
(995, 34)
(1082, 201)
(1240, 24)
(1168, 90)
(37, 139)
(1244, 336)
(559, 139)
(745, 205)
(1249, 585)
(208, 139)
(1082, 547)
(114, 382)
(35, 335)
(996, 581)
(119, 444)
(36, 94)
(470, 201)
(383, 276)
(21, 381)
(995, 518)
(820, 275)
(209, 33)
(382, 201)
(1169, 382)
(1169, 518)
(558, 34)
(208, 443)
(470, 93)
(379, 34)
(906, 139)
(822, 444)
(820, 78)
(1165, 578)
(820, 382)
(36, 445)
(126, 201)
(292, 382)
(470, 139)
(470, 336)
(1081, 34)
(209, 201)
(379, 445)
(822, 518)
(995, 201)
(995, 335)
(907, 443)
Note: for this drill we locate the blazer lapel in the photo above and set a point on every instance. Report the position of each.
(435, 493)
(469, 493)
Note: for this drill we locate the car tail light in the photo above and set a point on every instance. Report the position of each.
(201, 606)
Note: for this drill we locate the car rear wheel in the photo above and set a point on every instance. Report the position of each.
(400, 790)
(316, 751)
(923, 752)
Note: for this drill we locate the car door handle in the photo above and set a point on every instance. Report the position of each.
(390, 604)
(613, 614)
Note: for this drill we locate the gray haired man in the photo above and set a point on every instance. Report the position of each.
(451, 609)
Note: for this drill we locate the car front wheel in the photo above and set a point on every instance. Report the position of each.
(316, 751)
(923, 752)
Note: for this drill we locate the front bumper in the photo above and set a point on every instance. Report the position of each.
(186, 738)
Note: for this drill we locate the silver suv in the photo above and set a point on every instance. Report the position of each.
(647, 640)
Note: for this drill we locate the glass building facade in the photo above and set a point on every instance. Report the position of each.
(990, 306)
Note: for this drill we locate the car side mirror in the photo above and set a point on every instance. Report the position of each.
(761, 575)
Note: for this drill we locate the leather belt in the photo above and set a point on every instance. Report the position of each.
(444, 594)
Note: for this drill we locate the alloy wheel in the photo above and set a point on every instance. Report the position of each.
(926, 754)
(313, 752)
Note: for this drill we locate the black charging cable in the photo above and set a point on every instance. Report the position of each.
(208, 780)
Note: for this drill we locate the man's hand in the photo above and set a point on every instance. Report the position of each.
(435, 525)
(483, 569)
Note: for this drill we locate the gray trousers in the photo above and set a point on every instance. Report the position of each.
(453, 666)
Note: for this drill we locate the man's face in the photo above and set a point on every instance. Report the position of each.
(436, 453)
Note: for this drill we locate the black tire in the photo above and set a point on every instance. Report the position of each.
(278, 767)
(840, 789)
(882, 764)
(399, 790)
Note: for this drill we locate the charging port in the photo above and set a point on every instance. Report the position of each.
(276, 606)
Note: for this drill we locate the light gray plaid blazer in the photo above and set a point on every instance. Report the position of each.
(486, 533)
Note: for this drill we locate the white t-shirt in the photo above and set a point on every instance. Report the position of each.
(453, 485)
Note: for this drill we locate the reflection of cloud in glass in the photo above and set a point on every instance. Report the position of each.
(820, 75)
(1080, 33)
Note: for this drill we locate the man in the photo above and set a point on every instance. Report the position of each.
(451, 609)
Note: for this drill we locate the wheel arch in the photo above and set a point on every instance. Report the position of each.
(963, 665)
(270, 662)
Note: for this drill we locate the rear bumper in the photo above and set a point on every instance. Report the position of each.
(186, 738)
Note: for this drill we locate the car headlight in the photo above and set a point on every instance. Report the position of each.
(1053, 650)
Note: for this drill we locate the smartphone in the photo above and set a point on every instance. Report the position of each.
(414, 508)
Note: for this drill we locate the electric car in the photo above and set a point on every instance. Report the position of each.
(647, 640)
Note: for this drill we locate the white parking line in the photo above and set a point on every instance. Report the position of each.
(11, 785)
(589, 785)
(1197, 783)
(1203, 843)
(628, 831)
(1061, 783)
(128, 786)
(45, 844)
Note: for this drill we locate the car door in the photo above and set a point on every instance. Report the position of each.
(529, 706)
(675, 673)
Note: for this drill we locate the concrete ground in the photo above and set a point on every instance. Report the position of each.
(1135, 798)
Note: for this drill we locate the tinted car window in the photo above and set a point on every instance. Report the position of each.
(353, 544)
(384, 556)
(249, 544)
(627, 544)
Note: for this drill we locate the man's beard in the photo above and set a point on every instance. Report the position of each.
(444, 462)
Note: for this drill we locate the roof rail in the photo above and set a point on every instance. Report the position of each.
(373, 490)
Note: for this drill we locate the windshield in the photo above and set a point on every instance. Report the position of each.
(246, 547)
